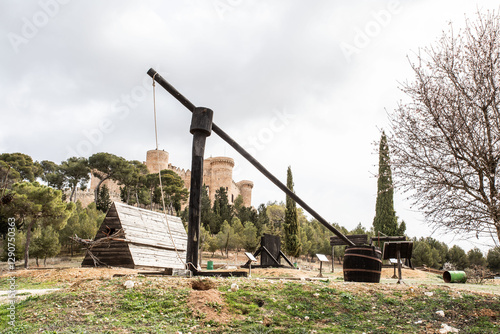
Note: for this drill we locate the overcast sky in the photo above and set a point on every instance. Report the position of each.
(300, 84)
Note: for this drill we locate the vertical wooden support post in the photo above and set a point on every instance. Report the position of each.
(333, 259)
(398, 252)
(201, 127)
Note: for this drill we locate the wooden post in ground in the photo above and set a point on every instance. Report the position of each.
(201, 127)
(333, 259)
(398, 252)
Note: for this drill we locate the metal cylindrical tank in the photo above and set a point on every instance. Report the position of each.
(455, 276)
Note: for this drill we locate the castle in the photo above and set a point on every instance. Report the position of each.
(217, 172)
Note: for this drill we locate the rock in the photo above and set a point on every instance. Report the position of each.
(440, 313)
(128, 284)
(447, 329)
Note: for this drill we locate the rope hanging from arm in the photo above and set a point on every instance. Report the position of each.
(159, 176)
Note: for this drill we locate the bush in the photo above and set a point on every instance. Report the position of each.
(477, 274)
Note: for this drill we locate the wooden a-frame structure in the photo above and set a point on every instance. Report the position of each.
(145, 239)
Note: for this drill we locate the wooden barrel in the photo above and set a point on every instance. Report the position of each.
(362, 264)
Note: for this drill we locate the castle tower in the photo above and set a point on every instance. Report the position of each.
(156, 160)
(219, 173)
(245, 188)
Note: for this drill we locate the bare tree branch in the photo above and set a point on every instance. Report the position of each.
(446, 141)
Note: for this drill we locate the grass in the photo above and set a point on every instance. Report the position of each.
(160, 305)
(23, 283)
(105, 308)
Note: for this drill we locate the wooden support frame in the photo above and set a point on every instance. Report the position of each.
(264, 250)
(358, 239)
(398, 250)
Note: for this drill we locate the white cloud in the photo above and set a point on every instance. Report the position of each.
(245, 60)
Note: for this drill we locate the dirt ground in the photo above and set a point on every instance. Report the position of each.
(69, 275)
(72, 275)
(211, 302)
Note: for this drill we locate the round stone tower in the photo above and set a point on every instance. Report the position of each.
(222, 172)
(156, 160)
(245, 188)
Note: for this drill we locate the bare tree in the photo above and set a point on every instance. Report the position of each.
(446, 140)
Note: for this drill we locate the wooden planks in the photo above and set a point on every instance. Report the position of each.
(149, 239)
(358, 239)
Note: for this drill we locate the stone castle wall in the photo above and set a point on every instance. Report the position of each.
(217, 172)
(86, 197)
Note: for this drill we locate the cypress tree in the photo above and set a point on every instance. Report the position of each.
(385, 220)
(223, 211)
(208, 219)
(291, 224)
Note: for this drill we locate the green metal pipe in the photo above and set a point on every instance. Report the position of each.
(455, 277)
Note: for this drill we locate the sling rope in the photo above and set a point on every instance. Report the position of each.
(159, 175)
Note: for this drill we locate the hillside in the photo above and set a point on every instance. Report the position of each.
(272, 301)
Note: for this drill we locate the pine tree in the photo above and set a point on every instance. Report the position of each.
(385, 220)
(103, 200)
(291, 225)
(249, 236)
(45, 243)
(37, 205)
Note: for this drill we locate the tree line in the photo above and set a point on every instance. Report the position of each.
(46, 216)
(438, 255)
(41, 197)
(233, 227)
